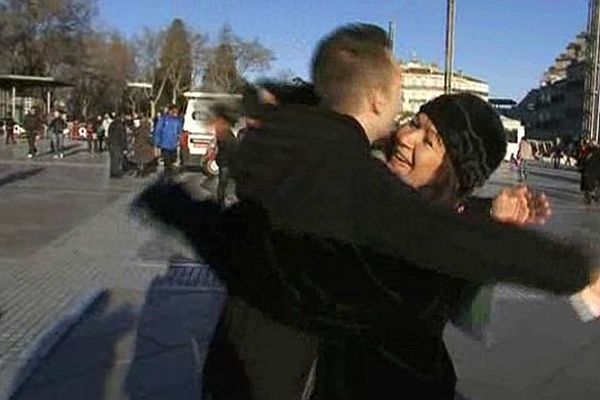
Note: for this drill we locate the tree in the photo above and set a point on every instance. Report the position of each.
(101, 77)
(41, 37)
(176, 60)
(170, 61)
(231, 59)
(221, 74)
(148, 48)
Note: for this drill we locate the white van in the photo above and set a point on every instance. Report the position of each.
(515, 131)
(198, 140)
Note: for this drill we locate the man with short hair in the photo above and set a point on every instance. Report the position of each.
(167, 133)
(312, 172)
(307, 176)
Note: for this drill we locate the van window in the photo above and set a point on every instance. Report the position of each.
(200, 116)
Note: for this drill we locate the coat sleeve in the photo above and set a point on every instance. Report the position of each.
(479, 251)
(234, 243)
(478, 207)
(355, 199)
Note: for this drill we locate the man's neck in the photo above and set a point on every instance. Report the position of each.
(362, 121)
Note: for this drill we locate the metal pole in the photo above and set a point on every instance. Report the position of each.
(392, 36)
(14, 103)
(49, 102)
(450, 21)
(590, 75)
(595, 71)
(593, 75)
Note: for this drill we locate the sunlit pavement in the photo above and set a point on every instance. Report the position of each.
(538, 347)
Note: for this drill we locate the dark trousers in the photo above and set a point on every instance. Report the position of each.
(253, 357)
(57, 142)
(10, 136)
(222, 185)
(169, 158)
(116, 161)
(31, 142)
(556, 161)
(92, 145)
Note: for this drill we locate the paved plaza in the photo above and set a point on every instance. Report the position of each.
(94, 304)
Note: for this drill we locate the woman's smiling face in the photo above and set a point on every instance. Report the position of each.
(418, 152)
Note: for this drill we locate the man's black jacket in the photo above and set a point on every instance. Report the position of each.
(293, 248)
(226, 149)
(311, 170)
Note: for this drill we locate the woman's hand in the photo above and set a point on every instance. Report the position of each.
(520, 206)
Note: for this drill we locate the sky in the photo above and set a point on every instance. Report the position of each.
(508, 43)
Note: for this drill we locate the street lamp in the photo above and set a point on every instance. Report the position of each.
(450, 19)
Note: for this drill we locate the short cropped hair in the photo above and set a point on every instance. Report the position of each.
(352, 59)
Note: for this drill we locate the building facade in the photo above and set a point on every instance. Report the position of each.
(555, 108)
(422, 82)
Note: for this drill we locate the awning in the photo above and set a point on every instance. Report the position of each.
(24, 81)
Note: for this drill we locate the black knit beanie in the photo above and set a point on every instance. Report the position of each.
(472, 134)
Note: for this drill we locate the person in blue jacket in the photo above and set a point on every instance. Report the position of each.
(166, 137)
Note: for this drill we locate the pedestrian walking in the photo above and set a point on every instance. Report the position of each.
(56, 129)
(167, 134)
(524, 156)
(222, 120)
(117, 142)
(9, 127)
(590, 176)
(33, 127)
(557, 155)
(100, 129)
(143, 148)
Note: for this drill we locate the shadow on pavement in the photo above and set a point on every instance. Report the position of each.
(65, 149)
(83, 364)
(177, 322)
(19, 176)
(78, 151)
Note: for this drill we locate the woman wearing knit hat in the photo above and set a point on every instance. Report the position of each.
(450, 148)
(380, 330)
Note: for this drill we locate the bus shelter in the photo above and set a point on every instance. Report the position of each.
(12, 85)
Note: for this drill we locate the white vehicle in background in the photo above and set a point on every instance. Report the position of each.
(198, 142)
(515, 131)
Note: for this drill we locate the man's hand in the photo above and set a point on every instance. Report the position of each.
(591, 294)
(520, 206)
(156, 152)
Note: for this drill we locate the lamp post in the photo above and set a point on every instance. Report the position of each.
(392, 36)
(592, 64)
(450, 20)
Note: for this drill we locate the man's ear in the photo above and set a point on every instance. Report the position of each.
(376, 101)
